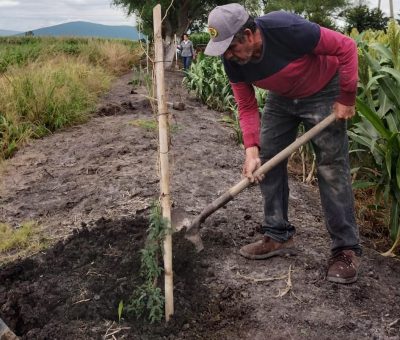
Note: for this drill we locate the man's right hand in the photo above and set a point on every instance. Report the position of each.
(252, 163)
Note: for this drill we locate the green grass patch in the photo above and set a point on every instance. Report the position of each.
(146, 124)
(42, 97)
(26, 239)
(49, 83)
(119, 55)
(151, 125)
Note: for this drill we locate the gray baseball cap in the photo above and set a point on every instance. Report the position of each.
(223, 23)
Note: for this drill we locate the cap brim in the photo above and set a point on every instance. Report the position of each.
(217, 48)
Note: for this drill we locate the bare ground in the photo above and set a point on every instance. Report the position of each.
(91, 187)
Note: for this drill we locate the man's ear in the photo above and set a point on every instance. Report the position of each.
(249, 35)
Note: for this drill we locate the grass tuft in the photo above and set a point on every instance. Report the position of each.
(26, 239)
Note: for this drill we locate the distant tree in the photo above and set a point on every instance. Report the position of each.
(29, 34)
(363, 18)
(182, 16)
(321, 12)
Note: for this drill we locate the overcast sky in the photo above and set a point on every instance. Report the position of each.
(25, 15)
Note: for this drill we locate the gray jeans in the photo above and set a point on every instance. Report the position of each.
(280, 121)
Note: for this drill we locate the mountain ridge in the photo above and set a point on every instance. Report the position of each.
(4, 33)
(88, 29)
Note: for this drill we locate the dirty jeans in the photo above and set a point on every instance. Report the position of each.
(280, 121)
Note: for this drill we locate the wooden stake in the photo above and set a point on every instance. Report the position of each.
(176, 52)
(147, 55)
(164, 163)
(5, 332)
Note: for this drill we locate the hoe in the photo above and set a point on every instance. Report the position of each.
(193, 229)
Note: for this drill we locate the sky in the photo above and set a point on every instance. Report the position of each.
(25, 15)
(385, 6)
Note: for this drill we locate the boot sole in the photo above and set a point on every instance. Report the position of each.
(279, 252)
(342, 280)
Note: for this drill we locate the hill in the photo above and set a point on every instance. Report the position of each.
(88, 29)
(4, 33)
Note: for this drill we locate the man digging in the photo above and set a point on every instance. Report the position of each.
(309, 71)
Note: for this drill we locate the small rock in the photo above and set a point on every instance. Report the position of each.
(251, 233)
(204, 264)
(210, 273)
(178, 106)
(244, 294)
(97, 297)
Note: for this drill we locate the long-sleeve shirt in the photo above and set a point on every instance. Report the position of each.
(186, 47)
(298, 59)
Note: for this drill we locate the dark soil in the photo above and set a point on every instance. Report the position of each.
(91, 187)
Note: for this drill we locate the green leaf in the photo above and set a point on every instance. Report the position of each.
(398, 172)
(383, 50)
(392, 123)
(393, 72)
(375, 66)
(363, 184)
(120, 309)
(373, 118)
(373, 80)
(388, 85)
(388, 159)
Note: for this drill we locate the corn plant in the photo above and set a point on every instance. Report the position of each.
(207, 79)
(378, 129)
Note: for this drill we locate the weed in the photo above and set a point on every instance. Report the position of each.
(151, 125)
(148, 299)
(120, 310)
(50, 83)
(22, 240)
(147, 124)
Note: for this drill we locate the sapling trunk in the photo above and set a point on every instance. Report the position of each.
(164, 163)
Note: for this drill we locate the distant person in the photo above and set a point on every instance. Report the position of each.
(187, 51)
(310, 71)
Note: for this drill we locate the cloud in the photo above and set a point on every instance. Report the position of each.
(33, 14)
(8, 3)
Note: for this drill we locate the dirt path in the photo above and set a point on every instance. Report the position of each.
(94, 184)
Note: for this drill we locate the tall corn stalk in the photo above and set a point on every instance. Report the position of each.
(378, 131)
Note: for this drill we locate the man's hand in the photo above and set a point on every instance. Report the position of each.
(343, 112)
(252, 163)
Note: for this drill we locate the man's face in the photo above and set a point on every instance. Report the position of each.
(247, 49)
(241, 52)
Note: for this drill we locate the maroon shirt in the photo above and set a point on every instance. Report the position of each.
(299, 58)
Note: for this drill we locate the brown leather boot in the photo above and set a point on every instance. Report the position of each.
(343, 267)
(267, 247)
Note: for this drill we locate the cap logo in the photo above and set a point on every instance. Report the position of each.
(213, 32)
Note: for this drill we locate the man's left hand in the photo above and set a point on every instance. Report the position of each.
(343, 112)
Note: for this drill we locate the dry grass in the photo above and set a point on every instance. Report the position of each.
(113, 56)
(45, 96)
(372, 220)
(22, 241)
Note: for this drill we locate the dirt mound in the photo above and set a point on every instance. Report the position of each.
(74, 287)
